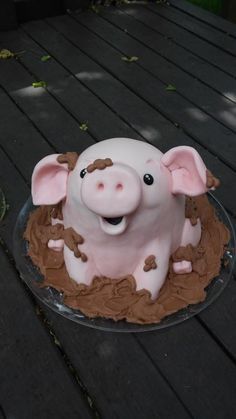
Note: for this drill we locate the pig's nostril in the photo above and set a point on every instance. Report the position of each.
(119, 187)
(100, 186)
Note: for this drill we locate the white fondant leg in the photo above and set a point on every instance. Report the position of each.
(153, 279)
(81, 272)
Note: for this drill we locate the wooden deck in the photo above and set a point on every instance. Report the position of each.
(50, 367)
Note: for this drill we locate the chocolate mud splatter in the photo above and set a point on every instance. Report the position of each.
(70, 158)
(99, 164)
(150, 263)
(117, 298)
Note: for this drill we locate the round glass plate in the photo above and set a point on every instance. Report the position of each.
(53, 299)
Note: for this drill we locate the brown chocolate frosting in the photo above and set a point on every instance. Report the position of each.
(70, 158)
(117, 298)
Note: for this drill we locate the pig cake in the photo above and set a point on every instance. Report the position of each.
(125, 231)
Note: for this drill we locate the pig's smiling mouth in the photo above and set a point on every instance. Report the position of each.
(113, 221)
(113, 225)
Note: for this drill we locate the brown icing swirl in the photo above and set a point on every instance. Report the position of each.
(117, 298)
(70, 158)
(99, 164)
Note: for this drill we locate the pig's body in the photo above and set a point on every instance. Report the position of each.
(133, 209)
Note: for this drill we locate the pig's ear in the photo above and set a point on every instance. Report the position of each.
(49, 181)
(187, 170)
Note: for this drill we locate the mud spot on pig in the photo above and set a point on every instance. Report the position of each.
(150, 263)
(99, 164)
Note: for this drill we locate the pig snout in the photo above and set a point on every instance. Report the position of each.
(112, 192)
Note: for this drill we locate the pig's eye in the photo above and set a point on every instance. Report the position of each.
(83, 173)
(148, 179)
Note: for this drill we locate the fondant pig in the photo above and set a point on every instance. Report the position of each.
(127, 201)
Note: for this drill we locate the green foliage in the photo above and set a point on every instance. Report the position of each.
(5, 54)
(171, 88)
(40, 83)
(45, 58)
(84, 126)
(129, 59)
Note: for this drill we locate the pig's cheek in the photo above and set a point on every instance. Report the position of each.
(151, 198)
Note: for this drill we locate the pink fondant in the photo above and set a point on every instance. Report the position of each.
(49, 181)
(56, 245)
(187, 170)
(113, 192)
(183, 267)
(151, 217)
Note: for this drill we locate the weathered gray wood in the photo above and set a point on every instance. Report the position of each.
(149, 123)
(142, 117)
(180, 36)
(200, 29)
(203, 382)
(34, 381)
(199, 96)
(220, 315)
(178, 55)
(203, 15)
(144, 84)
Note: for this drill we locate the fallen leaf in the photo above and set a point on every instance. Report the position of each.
(3, 205)
(95, 8)
(5, 54)
(130, 59)
(171, 88)
(45, 58)
(39, 84)
(84, 126)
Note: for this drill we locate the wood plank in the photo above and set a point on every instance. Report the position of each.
(192, 89)
(201, 29)
(129, 106)
(180, 36)
(34, 382)
(163, 134)
(222, 313)
(17, 135)
(183, 59)
(211, 19)
(166, 103)
(204, 377)
(63, 90)
(174, 54)
(118, 387)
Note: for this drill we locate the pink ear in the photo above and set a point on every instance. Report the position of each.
(187, 170)
(49, 181)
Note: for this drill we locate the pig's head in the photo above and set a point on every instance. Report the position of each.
(115, 180)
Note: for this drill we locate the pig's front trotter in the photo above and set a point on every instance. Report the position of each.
(80, 266)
